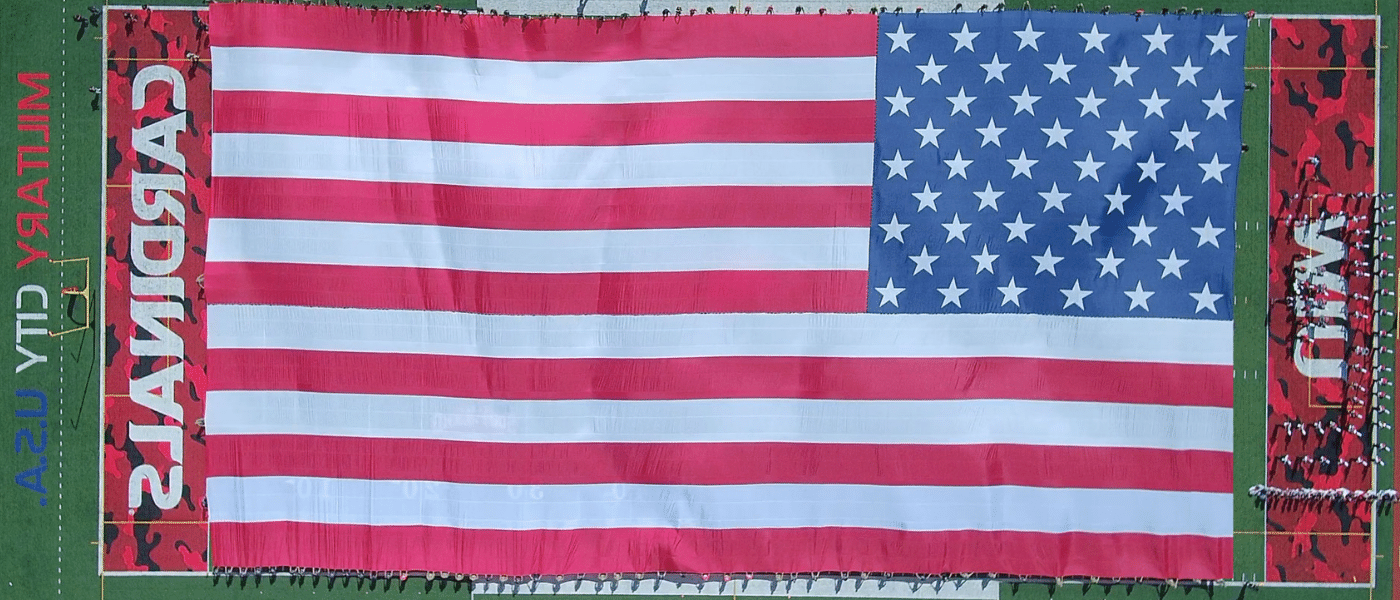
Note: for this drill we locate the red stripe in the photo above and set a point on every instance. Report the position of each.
(535, 294)
(544, 124)
(803, 550)
(721, 377)
(334, 28)
(501, 208)
(719, 464)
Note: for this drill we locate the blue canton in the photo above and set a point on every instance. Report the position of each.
(1056, 163)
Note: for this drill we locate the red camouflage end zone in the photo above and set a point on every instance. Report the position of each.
(1324, 81)
(157, 187)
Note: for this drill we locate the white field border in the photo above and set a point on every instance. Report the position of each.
(1375, 356)
(108, 11)
(671, 588)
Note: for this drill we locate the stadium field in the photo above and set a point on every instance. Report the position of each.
(57, 537)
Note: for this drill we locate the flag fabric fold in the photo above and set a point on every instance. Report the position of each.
(720, 294)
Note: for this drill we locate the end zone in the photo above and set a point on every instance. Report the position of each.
(157, 148)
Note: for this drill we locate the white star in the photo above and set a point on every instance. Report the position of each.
(1090, 104)
(1185, 137)
(1186, 72)
(1209, 234)
(1018, 229)
(991, 134)
(965, 38)
(923, 262)
(1138, 298)
(1028, 37)
(1214, 169)
(889, 294)
(1059, 70)
(926, 198)
(1217, 106)
(1088, 167)
(1171, 265)
(1025, 101)
(931, 71)
(1109, 264)
(1075, 296)
(897, 166)
(929, 134)
(1116, 199)
(994, 69)
(1083, 231)
(952, 294)
(1176, 201)
(894, 230)
(1123, 136)
(988, 197)
(1021, 165)
(956, 229)
(1204, 299)
(899, 39)
(1057, 135)
(899, 103)
(1054, 198)
(1220, 43)
(1046, 262)
(1123, 72)
(1157, 41)
(958, 165)
(1142, 232)
(962, 103)
(1093, 39)
(1011, 293)
(985, 260)
(1150, 168)
(1154, 105)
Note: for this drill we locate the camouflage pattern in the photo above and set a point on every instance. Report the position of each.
(149, 538)
(1323, 106)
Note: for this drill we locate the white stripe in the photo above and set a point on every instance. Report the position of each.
(513, 251)
(548, 167)
(539, 82)
(752, 585)
(564, 507)
(731, 334)
(1034, 422)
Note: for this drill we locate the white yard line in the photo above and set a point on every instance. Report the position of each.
(62, 165)
(1268, 266)
(1375, 289)
(99, 337)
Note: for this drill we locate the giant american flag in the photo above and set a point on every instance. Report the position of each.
(918, 293)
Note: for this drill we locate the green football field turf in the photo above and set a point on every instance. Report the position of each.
(51, 550)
